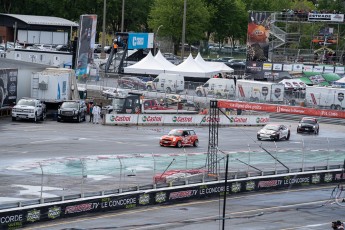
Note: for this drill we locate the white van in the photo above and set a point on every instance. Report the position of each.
(166, 82)
(219, 87)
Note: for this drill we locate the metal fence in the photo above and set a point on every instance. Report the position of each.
(72, 178)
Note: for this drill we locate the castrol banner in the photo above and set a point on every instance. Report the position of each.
(183, 119)
(180, 119)
(114, 119)
(281, 109)
(151, 119)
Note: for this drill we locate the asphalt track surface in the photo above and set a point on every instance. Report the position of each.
(23, 143)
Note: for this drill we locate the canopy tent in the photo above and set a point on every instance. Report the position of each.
(294, 84)
(325, 79)
(190, 68)
(340, 83)
(147, 65)
(161, 59)
(216, 66)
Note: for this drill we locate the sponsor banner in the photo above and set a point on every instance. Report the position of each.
(114, 119)
(326, 17)
(181, 119)
(267, 66)
(277, 67)
(87, 34)
(329, 69)
(339, 69)
(287, 67)
(308, 68)
(258, 36)
(297, 67)
(20, 218)
(146, 119)
(318, 69)
(280, 109)
(8, 87)
(140, 40)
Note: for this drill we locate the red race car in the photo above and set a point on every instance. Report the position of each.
(179, 138)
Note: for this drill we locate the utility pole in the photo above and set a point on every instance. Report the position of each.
(123, 15)
(183, 29)
(225, 185)
(103, 32)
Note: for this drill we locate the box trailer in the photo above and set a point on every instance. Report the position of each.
(54, 85)
(259, 91)
(325, 97)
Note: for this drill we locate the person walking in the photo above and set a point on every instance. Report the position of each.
(90, 112)
(96, 111)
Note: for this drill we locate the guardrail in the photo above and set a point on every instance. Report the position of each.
(201, 187)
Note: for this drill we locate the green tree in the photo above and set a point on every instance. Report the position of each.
(168, 13)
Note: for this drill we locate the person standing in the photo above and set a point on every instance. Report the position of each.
(90, 112)
(96, 111)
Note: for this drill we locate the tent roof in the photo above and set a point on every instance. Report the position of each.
(216, 66)
(167, 64)
(191, 68)
(293, 84)
(147, 65)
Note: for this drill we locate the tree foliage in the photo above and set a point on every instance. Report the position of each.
(169, 14)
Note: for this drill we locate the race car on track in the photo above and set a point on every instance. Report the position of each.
(308, 124)
(179, 138)
(274, 132)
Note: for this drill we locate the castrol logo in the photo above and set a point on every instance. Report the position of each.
(182, 119)
(209, 119)
(120, 118)
(238, 119)
(152, 119)
(262, 119)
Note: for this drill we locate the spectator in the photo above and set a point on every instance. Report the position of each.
(96, 111)
(90, 112)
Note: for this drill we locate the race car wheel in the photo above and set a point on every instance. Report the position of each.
(196, 143)
(179, 144)
(199, 93)
(149, 88)
(259, 138)
(288, 136)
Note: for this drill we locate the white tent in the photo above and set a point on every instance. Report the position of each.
(340, 83)
(166, 64)
(190, 68)
(147, 65)
(216, 66)
(293, 84)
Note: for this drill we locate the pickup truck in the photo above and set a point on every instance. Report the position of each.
(29, 109)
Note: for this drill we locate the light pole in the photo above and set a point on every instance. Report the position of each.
(123, 15)
(183, 28)
(103, 32)
(156, 35)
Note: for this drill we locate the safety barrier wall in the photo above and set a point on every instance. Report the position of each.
(280, 109)
(19, 217)
(182, 119)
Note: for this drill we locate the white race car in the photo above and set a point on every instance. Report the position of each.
(274, 132)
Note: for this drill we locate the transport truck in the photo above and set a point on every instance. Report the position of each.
(259, 91)
(53, 86)
(325, 97)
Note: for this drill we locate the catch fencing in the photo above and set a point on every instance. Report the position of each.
(72, 178)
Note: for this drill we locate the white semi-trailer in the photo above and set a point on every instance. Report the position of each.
(325, 97)
(259, 91)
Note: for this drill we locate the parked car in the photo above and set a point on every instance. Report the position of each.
(173, 99)
(236, 63)
(74, 110)
(309, 125)
(97, 48)
(63, 48)
(107, 49)
(29, 109)
(131, 83)
(114, 92)
(180, 137)
(274, 132)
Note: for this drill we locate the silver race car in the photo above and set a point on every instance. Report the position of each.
(274, 132)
